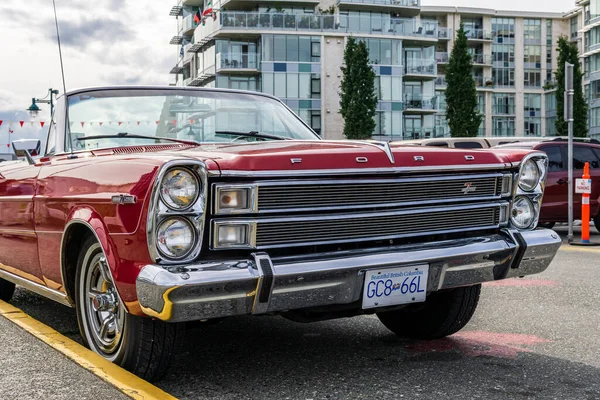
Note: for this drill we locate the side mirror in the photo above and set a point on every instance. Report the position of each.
(27, 148)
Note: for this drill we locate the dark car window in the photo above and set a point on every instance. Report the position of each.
(555, 160)
(581, 154)
(468, 145)
(438, 144)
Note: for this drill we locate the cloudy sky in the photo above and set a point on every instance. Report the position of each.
(108, 42)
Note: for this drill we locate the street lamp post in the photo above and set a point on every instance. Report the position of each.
(34, 109)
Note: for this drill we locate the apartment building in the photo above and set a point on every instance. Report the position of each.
(294, 50)
(584, 27)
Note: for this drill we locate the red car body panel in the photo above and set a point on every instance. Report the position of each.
(38, 201)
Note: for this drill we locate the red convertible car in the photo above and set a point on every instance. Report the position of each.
(152, 206)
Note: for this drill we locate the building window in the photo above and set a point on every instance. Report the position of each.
(292, 85)
(532, 78)
(574, 27)
(503, 55)
(532, 126)
(550, 102)
(532, 55)
(532, 29)
(388, 123)
(593, 90)
(532, 104)
(481, 103)
(384, 51)
(503, 30)
(503, 126)
(550, 126)
(503, 103)
(388, 88)
(594, 117)
(503, 76)
(292, 48)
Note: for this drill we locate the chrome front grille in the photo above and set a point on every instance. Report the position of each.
(342, 194)
(301, 231)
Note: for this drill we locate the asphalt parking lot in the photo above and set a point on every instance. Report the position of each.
(530, 338)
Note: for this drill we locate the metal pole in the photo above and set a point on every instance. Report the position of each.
(569, 118)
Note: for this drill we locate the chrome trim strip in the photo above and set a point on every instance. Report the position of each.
(253, 224)
(158, 211)
(364, 171)
(327, 217)
(325, 182)
(21, 232)
(383, 146)
(37, 288)
(320, 182)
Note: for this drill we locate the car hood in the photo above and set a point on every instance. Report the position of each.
(325, 156)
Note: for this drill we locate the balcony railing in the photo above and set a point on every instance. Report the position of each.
(483, 81)
(444, 33)
(503, 132)
(482, 59)
(188, 25)
(395, 3)
(503, 109)
(420, 67)
(479, 34)
(339, 23)
(420, 133)
(440, 80)
(549, 84)
(237, 61)
(416, 102)
(441, 57)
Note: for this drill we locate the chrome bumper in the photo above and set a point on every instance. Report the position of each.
(262, 284)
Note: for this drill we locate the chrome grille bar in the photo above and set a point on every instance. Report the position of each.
(356, 227)
(341, 194)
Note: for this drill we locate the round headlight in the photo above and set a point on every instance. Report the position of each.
(522, 214)
(529, 176)
(175, 237)
(179, 188)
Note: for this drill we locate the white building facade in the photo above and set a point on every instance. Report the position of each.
(294, 50)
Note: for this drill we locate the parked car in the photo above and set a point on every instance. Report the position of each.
(152, 206)
(555, 204)
(465, 142)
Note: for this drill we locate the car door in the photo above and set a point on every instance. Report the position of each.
(18, 239)
(555, 202)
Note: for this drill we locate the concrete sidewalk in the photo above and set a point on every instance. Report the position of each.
(30, 369)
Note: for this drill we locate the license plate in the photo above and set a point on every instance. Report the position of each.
(391, 286)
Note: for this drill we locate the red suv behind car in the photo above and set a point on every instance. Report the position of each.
(555, 203)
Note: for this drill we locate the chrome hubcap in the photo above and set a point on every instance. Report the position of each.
(104, 310)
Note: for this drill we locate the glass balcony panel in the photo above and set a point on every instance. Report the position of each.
(237, 60)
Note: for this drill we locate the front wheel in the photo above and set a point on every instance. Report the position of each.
(443, 314)
(140, 345)
(7, 289)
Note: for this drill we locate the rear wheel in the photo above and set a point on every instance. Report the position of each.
(140, 345)
(7, 289)
(442, 314)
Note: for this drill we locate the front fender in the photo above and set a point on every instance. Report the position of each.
(123, 275)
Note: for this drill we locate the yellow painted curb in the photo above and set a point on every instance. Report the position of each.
(123, 380)
(580, 248)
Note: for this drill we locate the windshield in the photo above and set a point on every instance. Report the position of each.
(113, 118)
